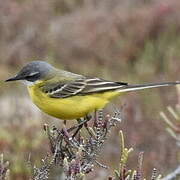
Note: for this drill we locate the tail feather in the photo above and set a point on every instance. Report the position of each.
(145, 86)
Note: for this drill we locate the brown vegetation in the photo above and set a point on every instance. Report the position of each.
(124, 40)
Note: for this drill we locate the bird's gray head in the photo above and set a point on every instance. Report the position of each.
(33, 71)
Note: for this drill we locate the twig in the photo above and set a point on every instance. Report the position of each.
(175, 174)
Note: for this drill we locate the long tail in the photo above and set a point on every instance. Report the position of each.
(145, 86)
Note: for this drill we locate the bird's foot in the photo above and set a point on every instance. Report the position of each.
(80, 124)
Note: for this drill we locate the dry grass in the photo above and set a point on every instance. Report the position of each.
(133, 41)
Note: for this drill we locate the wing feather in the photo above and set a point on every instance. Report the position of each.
(83, 86)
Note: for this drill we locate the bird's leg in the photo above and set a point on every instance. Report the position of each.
(75, 126)
(87, 118)
(95, 118)
(80, 123)
(64, 122)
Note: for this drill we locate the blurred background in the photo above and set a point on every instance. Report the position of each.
(134, 41)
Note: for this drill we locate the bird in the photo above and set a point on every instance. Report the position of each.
(66, 95)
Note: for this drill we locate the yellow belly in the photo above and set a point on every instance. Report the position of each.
(71, 107)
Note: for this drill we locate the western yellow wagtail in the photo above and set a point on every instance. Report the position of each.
(66, 95)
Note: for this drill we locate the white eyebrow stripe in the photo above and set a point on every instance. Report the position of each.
(33, 73)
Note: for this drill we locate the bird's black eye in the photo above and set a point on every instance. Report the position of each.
(32, 77)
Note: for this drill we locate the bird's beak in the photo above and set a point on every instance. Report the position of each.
(15, 78)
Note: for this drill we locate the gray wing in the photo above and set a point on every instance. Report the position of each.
(83, 86)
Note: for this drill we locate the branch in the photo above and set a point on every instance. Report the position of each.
(175, 174)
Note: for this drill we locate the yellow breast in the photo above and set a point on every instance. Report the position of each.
(71, 107)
